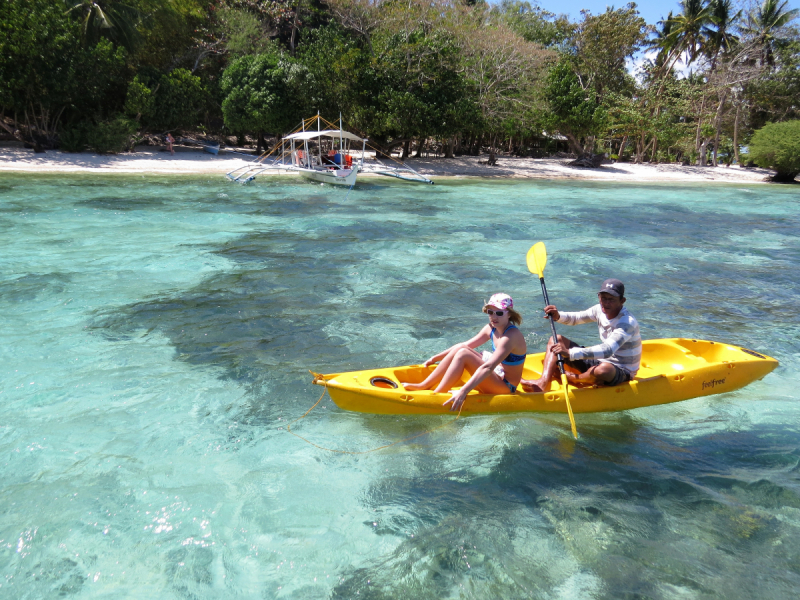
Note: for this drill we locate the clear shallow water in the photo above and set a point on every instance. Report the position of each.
(156, 335)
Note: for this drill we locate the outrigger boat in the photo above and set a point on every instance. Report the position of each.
(671, 370)
(323, 155)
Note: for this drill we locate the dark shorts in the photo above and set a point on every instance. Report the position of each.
(620, 375)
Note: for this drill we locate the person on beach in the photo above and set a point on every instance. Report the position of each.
(170, 141)
(497, 372)
(615, 360)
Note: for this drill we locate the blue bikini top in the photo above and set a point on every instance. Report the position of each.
(512, 359)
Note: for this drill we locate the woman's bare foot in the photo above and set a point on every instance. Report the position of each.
(412, 387)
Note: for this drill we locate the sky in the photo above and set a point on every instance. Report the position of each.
(651, 10)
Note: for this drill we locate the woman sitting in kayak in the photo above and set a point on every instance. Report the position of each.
(497, 372)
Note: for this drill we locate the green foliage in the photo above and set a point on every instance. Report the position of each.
(263, 93)
(173, 33)
(139, 99)
(777, 146)
(535, 24)
(110, 19)
(336, 63)
(243, 31)
(47, 71)
(111, 136)
(97, 79)
(765, 23)
(413, 87)
(174, 102)
(73, 138)
(603, 43)
(396, 70)
(36, 47)
(774, 97)
(688, 29)
(574, 113)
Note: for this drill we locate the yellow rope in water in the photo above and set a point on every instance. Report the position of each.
(325, 391)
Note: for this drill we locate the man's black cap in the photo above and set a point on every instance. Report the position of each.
(614, 287)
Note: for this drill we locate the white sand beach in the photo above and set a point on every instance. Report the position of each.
(187, 161)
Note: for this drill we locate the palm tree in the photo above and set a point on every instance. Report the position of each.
(720, 37)
(106, 18)
(687, 34)
(765, 22)
(662, 41)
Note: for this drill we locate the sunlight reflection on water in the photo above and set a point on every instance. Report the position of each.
(157, 335)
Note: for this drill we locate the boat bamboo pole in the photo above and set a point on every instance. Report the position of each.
(319, 141)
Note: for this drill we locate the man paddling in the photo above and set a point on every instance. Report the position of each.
(612, 362)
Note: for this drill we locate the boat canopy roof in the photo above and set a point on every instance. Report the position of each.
(334, 133)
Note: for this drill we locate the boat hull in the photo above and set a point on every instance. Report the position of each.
(672, 370)
(335, 176)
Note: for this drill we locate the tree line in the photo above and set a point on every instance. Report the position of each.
(463, 75)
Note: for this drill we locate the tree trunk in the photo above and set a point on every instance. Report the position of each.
(479, 147)
(6, 127)
(736, 136)
(588, 145)
(294, 28)
(574, 144)
(717, 126)
(645, 147)
(703, 159)
(261, 145)
(406, 150)
(448, 147)
(622, 147)
(697, 141)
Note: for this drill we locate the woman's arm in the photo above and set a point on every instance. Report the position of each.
(481, 338)
(503, 348)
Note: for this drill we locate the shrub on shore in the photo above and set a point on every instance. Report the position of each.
(777, 146)
(112, 136)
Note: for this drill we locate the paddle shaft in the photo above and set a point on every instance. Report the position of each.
(560, 362)
(552, 325)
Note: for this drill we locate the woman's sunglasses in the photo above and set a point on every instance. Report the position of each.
(499, 313)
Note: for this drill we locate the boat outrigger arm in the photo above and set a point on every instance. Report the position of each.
(338, 165)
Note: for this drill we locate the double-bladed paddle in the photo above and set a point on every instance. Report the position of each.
(537, 259)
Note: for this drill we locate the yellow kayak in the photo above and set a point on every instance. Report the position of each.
(671, 370)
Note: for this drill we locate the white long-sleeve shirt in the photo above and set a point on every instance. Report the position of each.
(621, 343)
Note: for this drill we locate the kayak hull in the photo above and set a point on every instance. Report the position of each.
(672, 370)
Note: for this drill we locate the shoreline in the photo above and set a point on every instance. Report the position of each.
(147, 160)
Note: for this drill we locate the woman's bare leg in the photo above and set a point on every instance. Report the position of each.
(437, 374)
(550, 368)
(462, 359)
(470, 361)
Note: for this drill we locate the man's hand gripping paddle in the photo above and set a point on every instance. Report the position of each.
(537, 259)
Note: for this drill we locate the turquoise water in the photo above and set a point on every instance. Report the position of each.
(156, 335)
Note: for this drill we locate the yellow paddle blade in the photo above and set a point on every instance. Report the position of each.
(537, 259)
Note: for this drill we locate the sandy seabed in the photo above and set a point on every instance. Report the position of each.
(189, 161)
